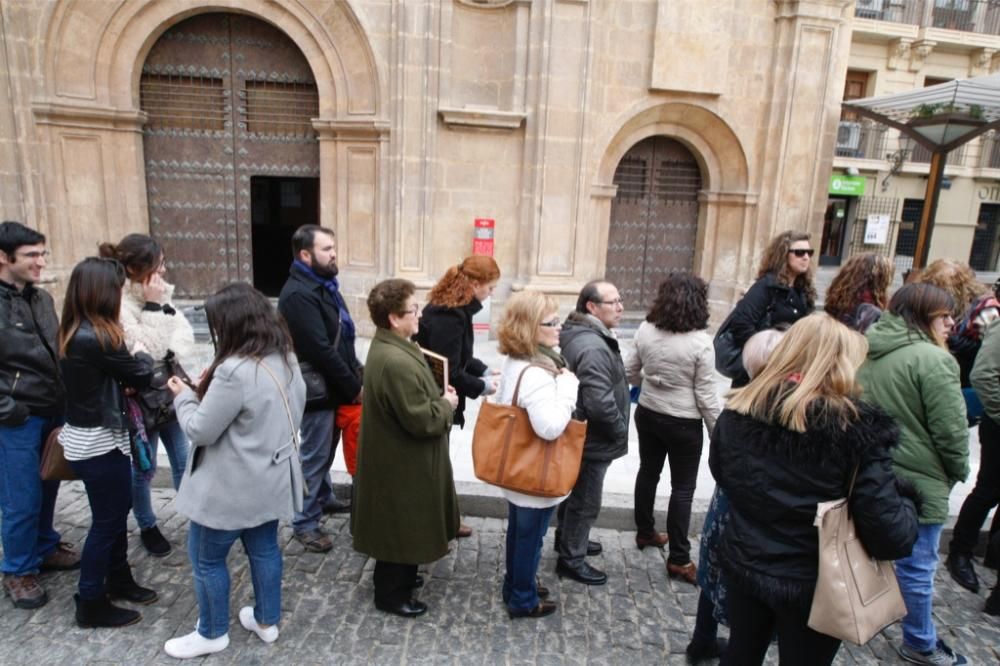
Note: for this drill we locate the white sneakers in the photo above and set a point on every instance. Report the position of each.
(268, 635)
(195, 645)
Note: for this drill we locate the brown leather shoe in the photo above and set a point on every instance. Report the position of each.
(63, 558)
(658, 539)
(686, 572)
(315, 541)
(464, 531)
(25, 591)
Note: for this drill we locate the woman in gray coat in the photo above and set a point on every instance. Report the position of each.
(243, 473)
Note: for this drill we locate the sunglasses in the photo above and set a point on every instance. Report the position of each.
(803, 253)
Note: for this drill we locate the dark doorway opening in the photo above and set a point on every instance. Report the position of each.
(278, 206)
(986, 241)
(834, 231)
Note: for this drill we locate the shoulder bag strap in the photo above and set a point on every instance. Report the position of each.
(284, 400)
(520, 376)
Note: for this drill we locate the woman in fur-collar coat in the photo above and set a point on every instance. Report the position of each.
(789, 440)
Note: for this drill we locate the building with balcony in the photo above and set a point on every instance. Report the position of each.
(877, 187)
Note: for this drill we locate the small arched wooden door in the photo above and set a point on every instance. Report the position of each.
(654, 218)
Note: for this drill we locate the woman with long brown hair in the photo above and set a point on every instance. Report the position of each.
(96, 364)
(910, 374)
(242, 421)
(860, 290)
(150, 320)
(793, 438)
(782, 294)
(446, 328)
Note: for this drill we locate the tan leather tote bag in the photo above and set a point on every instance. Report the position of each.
(856, 595)
(507, 453)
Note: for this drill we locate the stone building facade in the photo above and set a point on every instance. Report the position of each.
(623, 138)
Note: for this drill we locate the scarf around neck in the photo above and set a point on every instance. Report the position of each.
(333, 287)
(552, 355)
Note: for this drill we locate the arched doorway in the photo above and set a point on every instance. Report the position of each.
(654, 218)
(231, 156)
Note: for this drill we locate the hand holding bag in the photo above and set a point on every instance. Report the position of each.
(157, 401)
(507, 453)
(856, 595)
(299, 490)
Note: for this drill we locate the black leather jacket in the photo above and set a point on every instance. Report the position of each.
(95, 378)
(29, 374)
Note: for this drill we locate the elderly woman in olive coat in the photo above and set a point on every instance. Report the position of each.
(405, 508)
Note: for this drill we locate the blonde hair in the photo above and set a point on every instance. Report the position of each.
(813, 366)
(957, 279)
(759, 348)
(523, 312)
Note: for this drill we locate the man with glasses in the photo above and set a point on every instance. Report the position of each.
(593, 355)
(31, 405)
(323, 335)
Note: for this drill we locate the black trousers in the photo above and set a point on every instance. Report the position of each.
(393, 583)
(679, 442)
(984, 496)
(752, 623)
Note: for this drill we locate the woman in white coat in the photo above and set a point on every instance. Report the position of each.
(528, 335)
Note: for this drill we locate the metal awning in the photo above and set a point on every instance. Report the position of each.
(940, 117)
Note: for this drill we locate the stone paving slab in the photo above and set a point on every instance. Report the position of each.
(640, 617)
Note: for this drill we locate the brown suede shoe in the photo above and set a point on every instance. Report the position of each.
(686, 572)
(464, 531)
(63, 558)
(25, 591)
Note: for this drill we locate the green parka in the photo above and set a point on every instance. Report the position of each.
(405, 508)
(917, 382)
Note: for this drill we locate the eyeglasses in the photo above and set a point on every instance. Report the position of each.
(617, 301)
(802, 252)
(411, 311)
(37, 254)
(554, 323)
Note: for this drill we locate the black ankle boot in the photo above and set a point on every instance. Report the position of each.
(102, 613)
(993, 602)
(121, 585)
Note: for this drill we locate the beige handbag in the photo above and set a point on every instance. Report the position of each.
(856, 595)
(506, 452)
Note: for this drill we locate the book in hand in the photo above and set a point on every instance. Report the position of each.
(439, 367)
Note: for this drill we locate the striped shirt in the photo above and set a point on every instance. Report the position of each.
(83, 443)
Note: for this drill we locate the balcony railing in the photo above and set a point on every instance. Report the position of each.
(921, 155)
(861, 139)
(982, 16)
(894, 11)
(989, 152)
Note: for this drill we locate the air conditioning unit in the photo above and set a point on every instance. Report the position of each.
(848, 137)
(870, 9)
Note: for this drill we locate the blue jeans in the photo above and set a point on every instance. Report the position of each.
(317, 448)
(176, 444)
(208, 548)
(106, 478)
(916, 581)
(26, 502)
(525, 530)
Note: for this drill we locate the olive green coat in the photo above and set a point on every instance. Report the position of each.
(405, 508)
(917, 382)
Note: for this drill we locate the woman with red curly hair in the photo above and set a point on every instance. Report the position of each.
(446, 328)
(860, 291)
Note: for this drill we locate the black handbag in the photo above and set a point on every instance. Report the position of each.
(157, 401)
(729, 355)
(317, 393)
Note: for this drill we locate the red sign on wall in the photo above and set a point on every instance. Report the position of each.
(482, 237)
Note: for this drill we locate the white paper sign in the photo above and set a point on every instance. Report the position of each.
(877, 230)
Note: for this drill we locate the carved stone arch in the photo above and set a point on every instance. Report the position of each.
(726, 203)
(336, 48)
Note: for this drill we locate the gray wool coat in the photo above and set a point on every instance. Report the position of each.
(238, 473)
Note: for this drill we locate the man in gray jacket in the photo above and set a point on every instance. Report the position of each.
(593, 354)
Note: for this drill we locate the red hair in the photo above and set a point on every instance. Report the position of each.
(454, 289)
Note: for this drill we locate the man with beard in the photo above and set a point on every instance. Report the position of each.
(323, 334)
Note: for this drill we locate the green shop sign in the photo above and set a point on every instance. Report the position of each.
(851, 186)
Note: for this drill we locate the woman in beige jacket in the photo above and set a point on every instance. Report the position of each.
(674, 362)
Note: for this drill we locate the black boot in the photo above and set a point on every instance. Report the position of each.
(961, 570)
(102, 613)
(121, 585)
(993, 602)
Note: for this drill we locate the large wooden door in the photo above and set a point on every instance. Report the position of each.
(654, 218)
(229, 97)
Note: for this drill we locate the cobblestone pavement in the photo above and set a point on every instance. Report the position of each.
(639, 617)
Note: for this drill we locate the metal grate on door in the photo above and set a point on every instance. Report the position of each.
(175, 101)
(281, 108)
